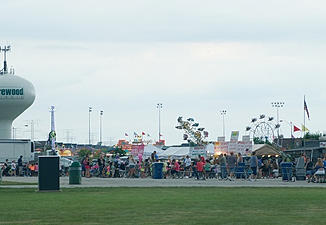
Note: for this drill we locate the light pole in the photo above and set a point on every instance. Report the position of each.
(101, 115)
(223, 113)
(32, 129)
(89, 125)
(159, 107)
(278, 105)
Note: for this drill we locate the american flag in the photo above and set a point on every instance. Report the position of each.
(305, 108)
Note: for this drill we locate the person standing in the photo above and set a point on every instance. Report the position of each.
(223, 166)
(101, 165)
(232, 160)
(154, 157)
(13, 168)
(6, 168)
(254, 165)
(200, 169)
(239, 159)
(175, 169)
(87, 166)
(20, 165)
(187, 163)
(132, 167)
(207, 168)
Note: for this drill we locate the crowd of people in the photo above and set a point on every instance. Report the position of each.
(315, 172)
(19, 168)
(224, 167)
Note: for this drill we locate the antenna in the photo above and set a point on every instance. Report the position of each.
(5, 49)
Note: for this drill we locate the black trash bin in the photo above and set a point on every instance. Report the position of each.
(157, 170)
(48, 175)
(75, 173)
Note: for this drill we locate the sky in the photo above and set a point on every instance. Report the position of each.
(195, 57)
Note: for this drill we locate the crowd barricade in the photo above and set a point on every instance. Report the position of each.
(240, 171)
(223, 173)
(286, 169)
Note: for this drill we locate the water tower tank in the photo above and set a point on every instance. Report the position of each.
(16, 95)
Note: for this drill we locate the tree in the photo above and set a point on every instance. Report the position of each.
(258, 140)
(83, 152)
(312, 136)
(117, 151)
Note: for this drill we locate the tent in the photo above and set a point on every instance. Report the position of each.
(264, 149)
(210, 148)
(175, 152)
(149, 149)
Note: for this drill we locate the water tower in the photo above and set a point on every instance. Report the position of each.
(16, 95)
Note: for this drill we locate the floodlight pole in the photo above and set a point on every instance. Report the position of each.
(223, 113)
(278, 105)
(89, 125)
(159, 107)
(101, 116)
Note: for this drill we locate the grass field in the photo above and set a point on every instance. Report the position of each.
(164, 206)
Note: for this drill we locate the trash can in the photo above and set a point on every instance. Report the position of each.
(157, 170)
(300, 174)
(286, 169)
(75, 173)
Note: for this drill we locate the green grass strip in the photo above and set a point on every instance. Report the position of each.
(168, 205)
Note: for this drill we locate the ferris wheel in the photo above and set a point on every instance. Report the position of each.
(262, 128)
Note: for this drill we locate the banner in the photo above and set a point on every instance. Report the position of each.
(198, 150)
(243, 146)
(234, 136)
(137, 149)
(246, 138)
(232, 146)
(220, 139)
(220, 147)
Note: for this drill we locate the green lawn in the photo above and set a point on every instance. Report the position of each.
(164, 206)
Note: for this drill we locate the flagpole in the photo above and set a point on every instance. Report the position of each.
(304, 119)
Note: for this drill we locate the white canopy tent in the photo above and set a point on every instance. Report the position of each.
(176, 152)
(210, 148)
(149, 149)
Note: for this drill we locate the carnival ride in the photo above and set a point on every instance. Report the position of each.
(262, 128)
(194, 134)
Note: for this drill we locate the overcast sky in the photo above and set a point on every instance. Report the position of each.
(194, 57)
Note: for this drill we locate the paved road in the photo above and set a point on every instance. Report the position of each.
(148, 182)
